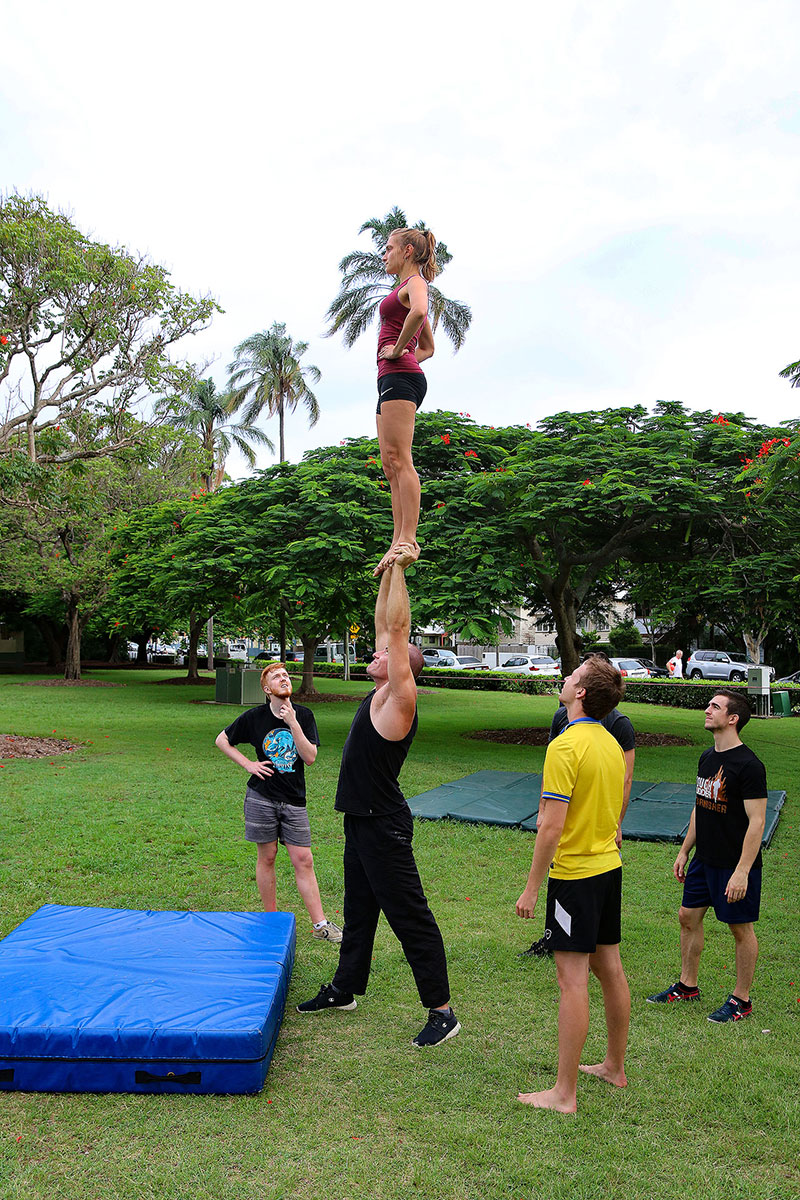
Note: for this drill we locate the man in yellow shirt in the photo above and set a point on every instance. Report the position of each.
(582, 789)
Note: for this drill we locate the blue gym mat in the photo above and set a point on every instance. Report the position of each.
(657, 812)
(121, 1000)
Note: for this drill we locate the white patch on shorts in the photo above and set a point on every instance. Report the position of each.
(564, 919)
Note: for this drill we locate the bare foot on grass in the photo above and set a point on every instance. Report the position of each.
(548, 1099)
(618, 1078)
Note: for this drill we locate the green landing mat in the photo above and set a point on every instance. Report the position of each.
(658, 812)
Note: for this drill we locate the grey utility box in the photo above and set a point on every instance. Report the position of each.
(239, 685)
(758, 681)
(758, 690)
(252, 691)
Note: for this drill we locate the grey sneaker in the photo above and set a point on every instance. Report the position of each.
(328, 932)
(440, 1027)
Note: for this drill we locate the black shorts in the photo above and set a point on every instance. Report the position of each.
(402, 385)
(704, 887)
(583, 914)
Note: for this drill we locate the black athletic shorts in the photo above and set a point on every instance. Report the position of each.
(402, 385)
(705, 885)
(583, 914)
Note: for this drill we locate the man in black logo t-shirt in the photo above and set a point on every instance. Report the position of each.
(285, 739)
(726, 827)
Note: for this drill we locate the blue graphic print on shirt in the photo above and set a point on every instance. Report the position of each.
(280, 749)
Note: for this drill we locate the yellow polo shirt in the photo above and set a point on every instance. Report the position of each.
(585, 768)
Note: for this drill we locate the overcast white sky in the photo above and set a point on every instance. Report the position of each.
(618, 183)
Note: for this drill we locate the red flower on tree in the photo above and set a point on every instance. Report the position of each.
(3, 340)
(470, 454)
(446, 439)
(719, 420)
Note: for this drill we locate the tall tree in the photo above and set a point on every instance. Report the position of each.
(57, 524)
(364, 285)
(179, 562)
(206, 413)
(266, 374)
(574, 498)
(85, 332)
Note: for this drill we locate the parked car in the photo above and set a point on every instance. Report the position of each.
(653, 668)
(631, 668)
(446, 658)
(716, 664)
(526, 664)
(795, 678)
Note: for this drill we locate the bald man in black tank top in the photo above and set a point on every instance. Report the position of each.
(380, 873)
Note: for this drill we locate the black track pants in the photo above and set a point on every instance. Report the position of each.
(380, 875)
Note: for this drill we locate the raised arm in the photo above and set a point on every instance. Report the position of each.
(395, 704)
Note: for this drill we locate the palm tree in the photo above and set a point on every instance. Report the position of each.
(364, 285)
(266, 373)
(205, 413)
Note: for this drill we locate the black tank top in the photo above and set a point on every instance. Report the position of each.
(370, 766)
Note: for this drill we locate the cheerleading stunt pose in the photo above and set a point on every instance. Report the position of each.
(405, 340)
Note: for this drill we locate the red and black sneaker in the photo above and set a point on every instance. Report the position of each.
(732, 1010)
(677, 992)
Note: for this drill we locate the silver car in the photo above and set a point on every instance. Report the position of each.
(716, 664)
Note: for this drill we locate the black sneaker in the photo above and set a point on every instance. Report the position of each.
(441, 1026)
(671, 994)
(540, 949)
(328, 997)
(731, 1010)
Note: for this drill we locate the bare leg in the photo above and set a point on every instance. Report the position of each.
(573, 1026)
(691, 920)
(265, 875)
(395, 436)
(746, 956)
(306, 879)
(605, 963)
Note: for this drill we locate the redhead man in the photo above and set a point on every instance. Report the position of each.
(285, 739)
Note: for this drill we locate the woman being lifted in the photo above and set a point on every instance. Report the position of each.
(405, 340)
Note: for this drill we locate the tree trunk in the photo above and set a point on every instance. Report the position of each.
(210, 643)
(113, 648)
(309, 646)
(195, 629)
(280, 430)
(141, 639)
(563, 607)
(72, 662)
(753, 642)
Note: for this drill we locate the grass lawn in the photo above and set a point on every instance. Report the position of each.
(147, 814)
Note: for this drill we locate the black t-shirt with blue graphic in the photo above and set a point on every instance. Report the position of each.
(272, 741)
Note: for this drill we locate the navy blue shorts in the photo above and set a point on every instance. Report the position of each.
(704, 887)
(583, 914)
(402, 385)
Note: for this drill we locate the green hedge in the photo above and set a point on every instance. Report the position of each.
(689, 693)
(692, 693)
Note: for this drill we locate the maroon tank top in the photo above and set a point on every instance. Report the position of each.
(393, 316)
